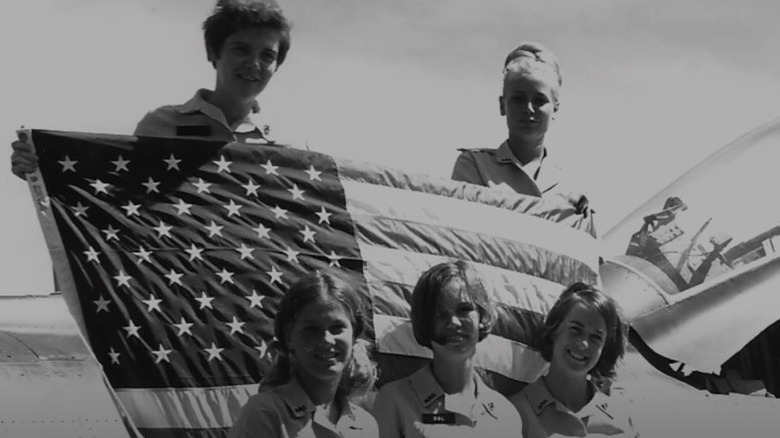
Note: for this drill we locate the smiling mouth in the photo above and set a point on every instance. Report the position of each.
(577, 356)
(456, 338)
(248, 77)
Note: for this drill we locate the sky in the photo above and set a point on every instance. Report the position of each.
(650, 88)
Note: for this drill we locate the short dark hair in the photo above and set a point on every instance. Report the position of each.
(323, 286)
(428, 288)
(231, 16)
(615, 342)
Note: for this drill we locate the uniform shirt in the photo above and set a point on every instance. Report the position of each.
(287, 412)
(416, 407)
(543, 415)
(501, 168)
(197, 118)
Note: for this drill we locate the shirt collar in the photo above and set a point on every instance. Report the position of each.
(198, 103)
(429, 391)
(300, 405)
(546, 176)
(504, 154)
(296, 398)
(539, 398)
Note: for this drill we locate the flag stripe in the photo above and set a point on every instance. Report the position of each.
(185, 408)
(406, 205)
(512, 288)
(494, 353)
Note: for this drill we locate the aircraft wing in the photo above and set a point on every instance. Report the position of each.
(662, 406)
(705, 325)
(51, 384)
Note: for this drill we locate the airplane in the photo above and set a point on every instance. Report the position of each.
(694, 269)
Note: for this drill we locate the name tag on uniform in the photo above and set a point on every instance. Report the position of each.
(194, 131)
(443, 418)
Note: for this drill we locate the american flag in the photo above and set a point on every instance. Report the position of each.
(173, 254)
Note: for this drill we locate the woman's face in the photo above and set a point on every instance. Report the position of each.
(579, 340)
(528, 103)
(246, 63)
(321, 341)
(455, 322)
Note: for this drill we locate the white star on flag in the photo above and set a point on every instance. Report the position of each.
(202, 186)
(262, 231)
(132, 330)
(151, 186)
(324, 216)
(250, 187)
(194, 252)
(172, 163)
(68, 164)
(122, 279)
(235, 326)
(161, 354)
(262, 348)
(114, 356)
(276, 275)
(255, 300)
(80, 210)
(205, 301)
(314, 175)
(334, 259)
(223, 164)
(308, 234)
(214, 352)
(143, 255)
(92, 255)
(292, 255)
(102, 304)
(111, 233)
(245, 251)
(183, 327)
(232, 208)
(121, 164)
(99, 186)
(225, 276)
(182, 207)
(280, 213)
(152, 303)
(296, 192)
(174, 278)
(163, 229)
(214, 229)
(270, 169)
(131, 209)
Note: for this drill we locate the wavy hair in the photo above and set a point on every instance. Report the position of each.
(360, 372)
(231, 16)
(615, 342)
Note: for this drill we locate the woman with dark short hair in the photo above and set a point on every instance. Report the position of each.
(451, 314)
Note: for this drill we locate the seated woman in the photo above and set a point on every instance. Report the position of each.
(582, 338)
(451, 313)
(321, 363)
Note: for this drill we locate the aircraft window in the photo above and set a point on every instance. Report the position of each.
(720, 216)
